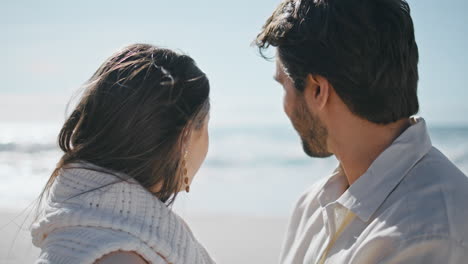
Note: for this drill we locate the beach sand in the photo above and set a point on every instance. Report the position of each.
(229, 239)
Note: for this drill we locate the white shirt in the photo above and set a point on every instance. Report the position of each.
(411, 206)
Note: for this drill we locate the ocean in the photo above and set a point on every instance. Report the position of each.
(251, 169)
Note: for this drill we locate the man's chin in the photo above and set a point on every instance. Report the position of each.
(315, 154)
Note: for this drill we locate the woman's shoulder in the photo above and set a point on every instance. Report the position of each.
(96, 245)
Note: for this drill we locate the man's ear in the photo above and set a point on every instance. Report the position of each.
(317, 91)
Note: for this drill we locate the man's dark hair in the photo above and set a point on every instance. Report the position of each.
(366, 49)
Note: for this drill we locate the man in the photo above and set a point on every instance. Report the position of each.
(349, 71)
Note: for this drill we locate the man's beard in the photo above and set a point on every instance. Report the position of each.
(312, 132)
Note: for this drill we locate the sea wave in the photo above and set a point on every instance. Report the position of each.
(27, 148)
(240, 158)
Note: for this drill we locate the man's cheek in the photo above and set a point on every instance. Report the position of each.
(288, 105)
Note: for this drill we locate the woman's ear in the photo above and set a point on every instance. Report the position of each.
(316, 92)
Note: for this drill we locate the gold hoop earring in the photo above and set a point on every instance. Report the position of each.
(186, 179)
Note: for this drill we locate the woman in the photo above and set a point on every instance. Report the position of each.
(136, 138)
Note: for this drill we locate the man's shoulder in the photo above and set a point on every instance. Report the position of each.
(438, 166)
(436, 174)
(431, 200)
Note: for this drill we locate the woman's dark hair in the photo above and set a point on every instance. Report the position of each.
(135, 113)
(365, 48)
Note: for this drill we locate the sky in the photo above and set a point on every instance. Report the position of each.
(50, 48)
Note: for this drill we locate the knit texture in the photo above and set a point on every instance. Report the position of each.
(89, 214)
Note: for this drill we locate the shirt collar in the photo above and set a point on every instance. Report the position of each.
(368, 192)
(333, 188)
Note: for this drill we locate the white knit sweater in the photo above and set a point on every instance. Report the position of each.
(119, 216)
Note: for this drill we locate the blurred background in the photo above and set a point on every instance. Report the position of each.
(255, 170)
